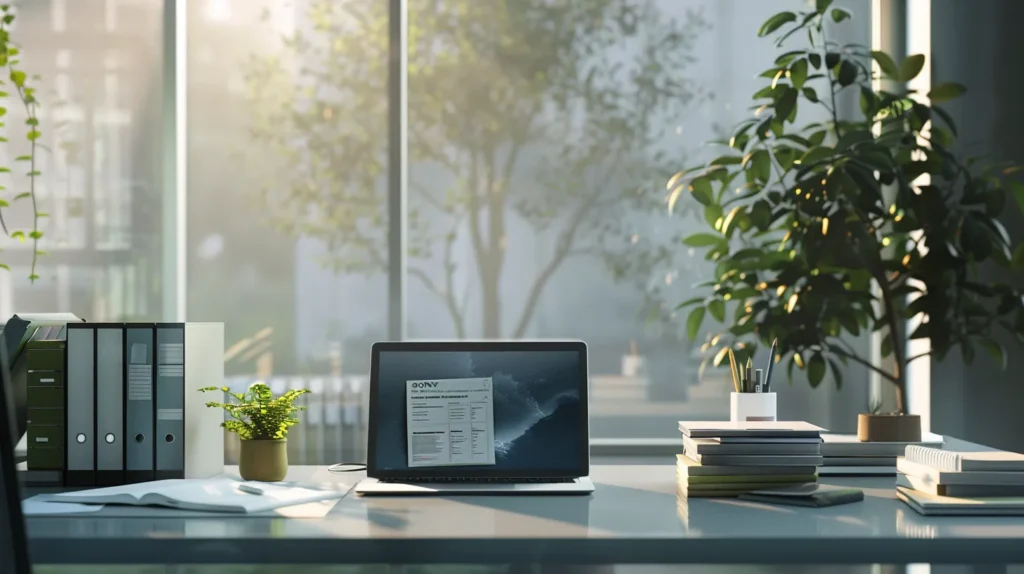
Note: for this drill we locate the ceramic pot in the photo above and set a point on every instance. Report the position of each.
(889, 428)
(263, 460)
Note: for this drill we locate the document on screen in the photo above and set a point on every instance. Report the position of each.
(450, 422)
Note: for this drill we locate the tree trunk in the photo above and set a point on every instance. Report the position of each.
(490, 284)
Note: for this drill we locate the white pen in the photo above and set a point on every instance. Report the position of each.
(250, 489)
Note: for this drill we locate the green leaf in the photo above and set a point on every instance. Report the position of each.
(18, 77)
(1017, 189)
(945, 92)
(836, 373)
(702, 240)
(693, 322)
(886, 64)
(822, 5)
(700, 189)
(717, 309)
(19, 235)
(816, 369)
(815, 60)
(798, 73)
(847, 73)
(775, 22)
(911, 67)
(946, 118)
(22, 195)
(689, 302)
(811, 94)
(995, 350)
(4, 266)
(838, 15)
(787, 103)
(831, 60)
(761, 164)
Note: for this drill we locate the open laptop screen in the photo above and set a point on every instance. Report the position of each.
(478, 410)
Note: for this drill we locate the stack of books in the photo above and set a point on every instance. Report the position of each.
(726, 459)
(845, 455)
(937, 482)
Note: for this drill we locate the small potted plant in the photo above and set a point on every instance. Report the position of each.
(261, 422)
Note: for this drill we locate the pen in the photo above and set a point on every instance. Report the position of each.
(250, 489)
(771, 361)
(734, 371)
(758, 379)
(750, 375)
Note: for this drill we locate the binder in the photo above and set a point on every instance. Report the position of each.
(44, 368)
(80, 407)
(170, 401)
(109, 404)
(139, 451)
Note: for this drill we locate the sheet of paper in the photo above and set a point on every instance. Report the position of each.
(450, 422)
(38, 506)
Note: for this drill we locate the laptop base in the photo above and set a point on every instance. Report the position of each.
(372, 486)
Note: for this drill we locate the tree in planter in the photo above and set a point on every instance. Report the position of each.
(549, 113)
(17, 82)
(850, 226)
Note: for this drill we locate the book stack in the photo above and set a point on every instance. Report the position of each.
(937, 482)
(727, 459)
(846, 455)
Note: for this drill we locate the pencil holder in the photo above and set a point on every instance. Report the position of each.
(744, 407)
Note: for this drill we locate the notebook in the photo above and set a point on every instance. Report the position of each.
(219, 494)
(707, 446)
(689, 467)
(936, 476)
(813, 495)
(958, 490)
(850, 445)
(934, 505)
(781, 429)
(952, 461)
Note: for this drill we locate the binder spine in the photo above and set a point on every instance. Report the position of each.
(80, 405)
(139, 451)
(170, 401)
(109, 405)
(45, 424)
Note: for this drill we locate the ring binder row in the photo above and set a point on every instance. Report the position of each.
(118, 403)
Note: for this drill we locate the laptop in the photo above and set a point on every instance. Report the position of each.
(13, 540)
(478, 418)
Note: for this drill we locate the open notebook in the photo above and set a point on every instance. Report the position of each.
(220, 494)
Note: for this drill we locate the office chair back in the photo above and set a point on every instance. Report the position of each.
(13, 540)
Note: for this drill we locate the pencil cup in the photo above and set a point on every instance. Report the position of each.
(745, 407)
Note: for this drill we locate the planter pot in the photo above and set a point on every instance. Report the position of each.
(263, 460)
(888, 428)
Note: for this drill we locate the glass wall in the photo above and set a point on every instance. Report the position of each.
(99, 86)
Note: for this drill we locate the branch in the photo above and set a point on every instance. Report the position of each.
(853, 357)
(919, 356)
(443, 295)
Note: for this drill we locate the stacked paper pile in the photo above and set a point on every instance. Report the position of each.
(941, 482)
(724, 459)
(845, 455)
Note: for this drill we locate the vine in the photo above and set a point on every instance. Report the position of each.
(18, 78)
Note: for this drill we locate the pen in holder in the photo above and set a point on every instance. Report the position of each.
(745, 407)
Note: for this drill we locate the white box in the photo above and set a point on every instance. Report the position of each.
(745, 407)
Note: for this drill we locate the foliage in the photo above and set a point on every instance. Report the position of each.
(849, 226)
(18, 82)
(544, 114)
(257, 414)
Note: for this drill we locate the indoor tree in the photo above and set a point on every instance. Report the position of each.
(850, 225)
(544, 114)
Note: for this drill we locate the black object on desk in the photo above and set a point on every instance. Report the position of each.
(813, 495)
(13, 539)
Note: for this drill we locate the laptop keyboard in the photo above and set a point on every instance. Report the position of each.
(479, 480)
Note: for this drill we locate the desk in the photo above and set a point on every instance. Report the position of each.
(633, 517)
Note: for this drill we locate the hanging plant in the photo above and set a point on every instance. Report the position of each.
(16, 90)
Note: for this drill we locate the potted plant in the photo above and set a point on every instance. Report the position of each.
(850, 225)
(261, 422)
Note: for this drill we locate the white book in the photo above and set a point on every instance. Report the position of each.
(953, 461)
(857, 471)
(711, 429)
(934, 505)
(957, 490)
(220, 494)
(936, 476)
(850, 445)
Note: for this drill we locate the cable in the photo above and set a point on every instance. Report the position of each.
(355, 467)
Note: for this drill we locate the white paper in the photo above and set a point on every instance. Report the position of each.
(38, 506)
(450, 422)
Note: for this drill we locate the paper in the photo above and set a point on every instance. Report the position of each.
(450, 422)
(38, 506)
